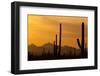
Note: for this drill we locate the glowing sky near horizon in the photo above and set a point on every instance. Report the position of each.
(43, 29)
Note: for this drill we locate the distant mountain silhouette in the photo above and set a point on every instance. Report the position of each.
(35, 50)
(48, 44)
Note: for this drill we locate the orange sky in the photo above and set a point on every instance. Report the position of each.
(43, 29)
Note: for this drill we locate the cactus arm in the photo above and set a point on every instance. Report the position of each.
(78, 43)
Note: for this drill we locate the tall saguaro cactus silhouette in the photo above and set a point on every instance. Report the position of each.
(55, 47)
(81, 45)
(60, 33)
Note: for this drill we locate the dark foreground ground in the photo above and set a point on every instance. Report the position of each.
(52, 57)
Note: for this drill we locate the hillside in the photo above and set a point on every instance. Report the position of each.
(46, 52)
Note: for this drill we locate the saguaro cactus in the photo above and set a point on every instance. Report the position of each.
(55, 47)
(60, 33)
(81, 45)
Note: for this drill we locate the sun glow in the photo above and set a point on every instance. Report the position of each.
(43, 29)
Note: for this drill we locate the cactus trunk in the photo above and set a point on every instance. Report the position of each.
(54, 48)
(81, 45)
(60, 33)
(82, 39)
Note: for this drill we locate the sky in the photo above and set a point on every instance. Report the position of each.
(43, 29)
